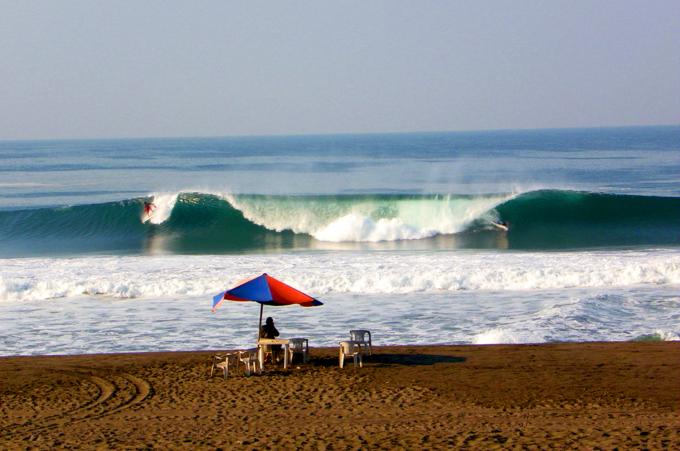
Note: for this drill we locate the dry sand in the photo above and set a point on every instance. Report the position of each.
(588, 395)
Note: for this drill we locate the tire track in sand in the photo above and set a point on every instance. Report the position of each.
(115, 393)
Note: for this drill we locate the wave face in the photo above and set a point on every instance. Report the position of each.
(566, 219)
(198, 223)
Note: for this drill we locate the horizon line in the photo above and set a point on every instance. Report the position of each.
(345, 133)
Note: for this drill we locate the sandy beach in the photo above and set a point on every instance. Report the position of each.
(584, 395)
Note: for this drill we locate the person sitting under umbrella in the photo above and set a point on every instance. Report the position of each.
(269, 331)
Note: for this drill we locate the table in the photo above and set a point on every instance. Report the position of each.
(262, 342)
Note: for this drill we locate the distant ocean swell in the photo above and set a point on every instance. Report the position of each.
(200, 223)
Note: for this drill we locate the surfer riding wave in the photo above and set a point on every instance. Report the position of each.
(149, 207)
(503, 225)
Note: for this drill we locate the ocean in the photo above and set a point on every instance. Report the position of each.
(395, 233)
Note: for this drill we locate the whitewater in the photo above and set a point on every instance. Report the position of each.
(325, 273)
(359, 219)
(138, 303)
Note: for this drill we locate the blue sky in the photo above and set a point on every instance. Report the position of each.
(73, 69)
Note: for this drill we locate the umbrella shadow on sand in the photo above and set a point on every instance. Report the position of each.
(395, 359)
(414, 359)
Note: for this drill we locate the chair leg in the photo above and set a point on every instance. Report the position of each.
(361, 361)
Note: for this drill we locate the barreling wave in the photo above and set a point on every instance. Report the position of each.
(201, 223)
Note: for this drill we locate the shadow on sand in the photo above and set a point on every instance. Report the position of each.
(413, 359)
(394, 359)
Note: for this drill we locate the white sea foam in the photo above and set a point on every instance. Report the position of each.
(86, 324)
(322, 273)
(659, 335)
(124, 304)
(505, 336)
(666, 335)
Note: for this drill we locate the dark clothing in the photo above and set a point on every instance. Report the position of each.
(269, 331)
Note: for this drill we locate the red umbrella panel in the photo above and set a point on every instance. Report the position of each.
(265, 289)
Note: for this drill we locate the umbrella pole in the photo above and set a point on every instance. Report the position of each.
(259, 327)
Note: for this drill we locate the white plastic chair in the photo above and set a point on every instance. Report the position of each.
(299, 346)
(221, 362)
(362, 338)
(250, 360)
(350, 349)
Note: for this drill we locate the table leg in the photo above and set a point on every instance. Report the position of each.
(260, 356)
(285, 356)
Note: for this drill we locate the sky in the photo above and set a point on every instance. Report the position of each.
(118, 69)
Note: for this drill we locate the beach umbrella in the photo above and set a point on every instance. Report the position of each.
(265, 290)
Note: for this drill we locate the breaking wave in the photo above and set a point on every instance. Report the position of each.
(202, 223)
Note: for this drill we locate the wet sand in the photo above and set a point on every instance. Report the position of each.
(585, 395)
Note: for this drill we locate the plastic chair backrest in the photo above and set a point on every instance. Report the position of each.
(347, 347)
(297, 344)
(359, 335)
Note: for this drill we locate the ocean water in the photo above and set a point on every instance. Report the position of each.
(395, 233)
